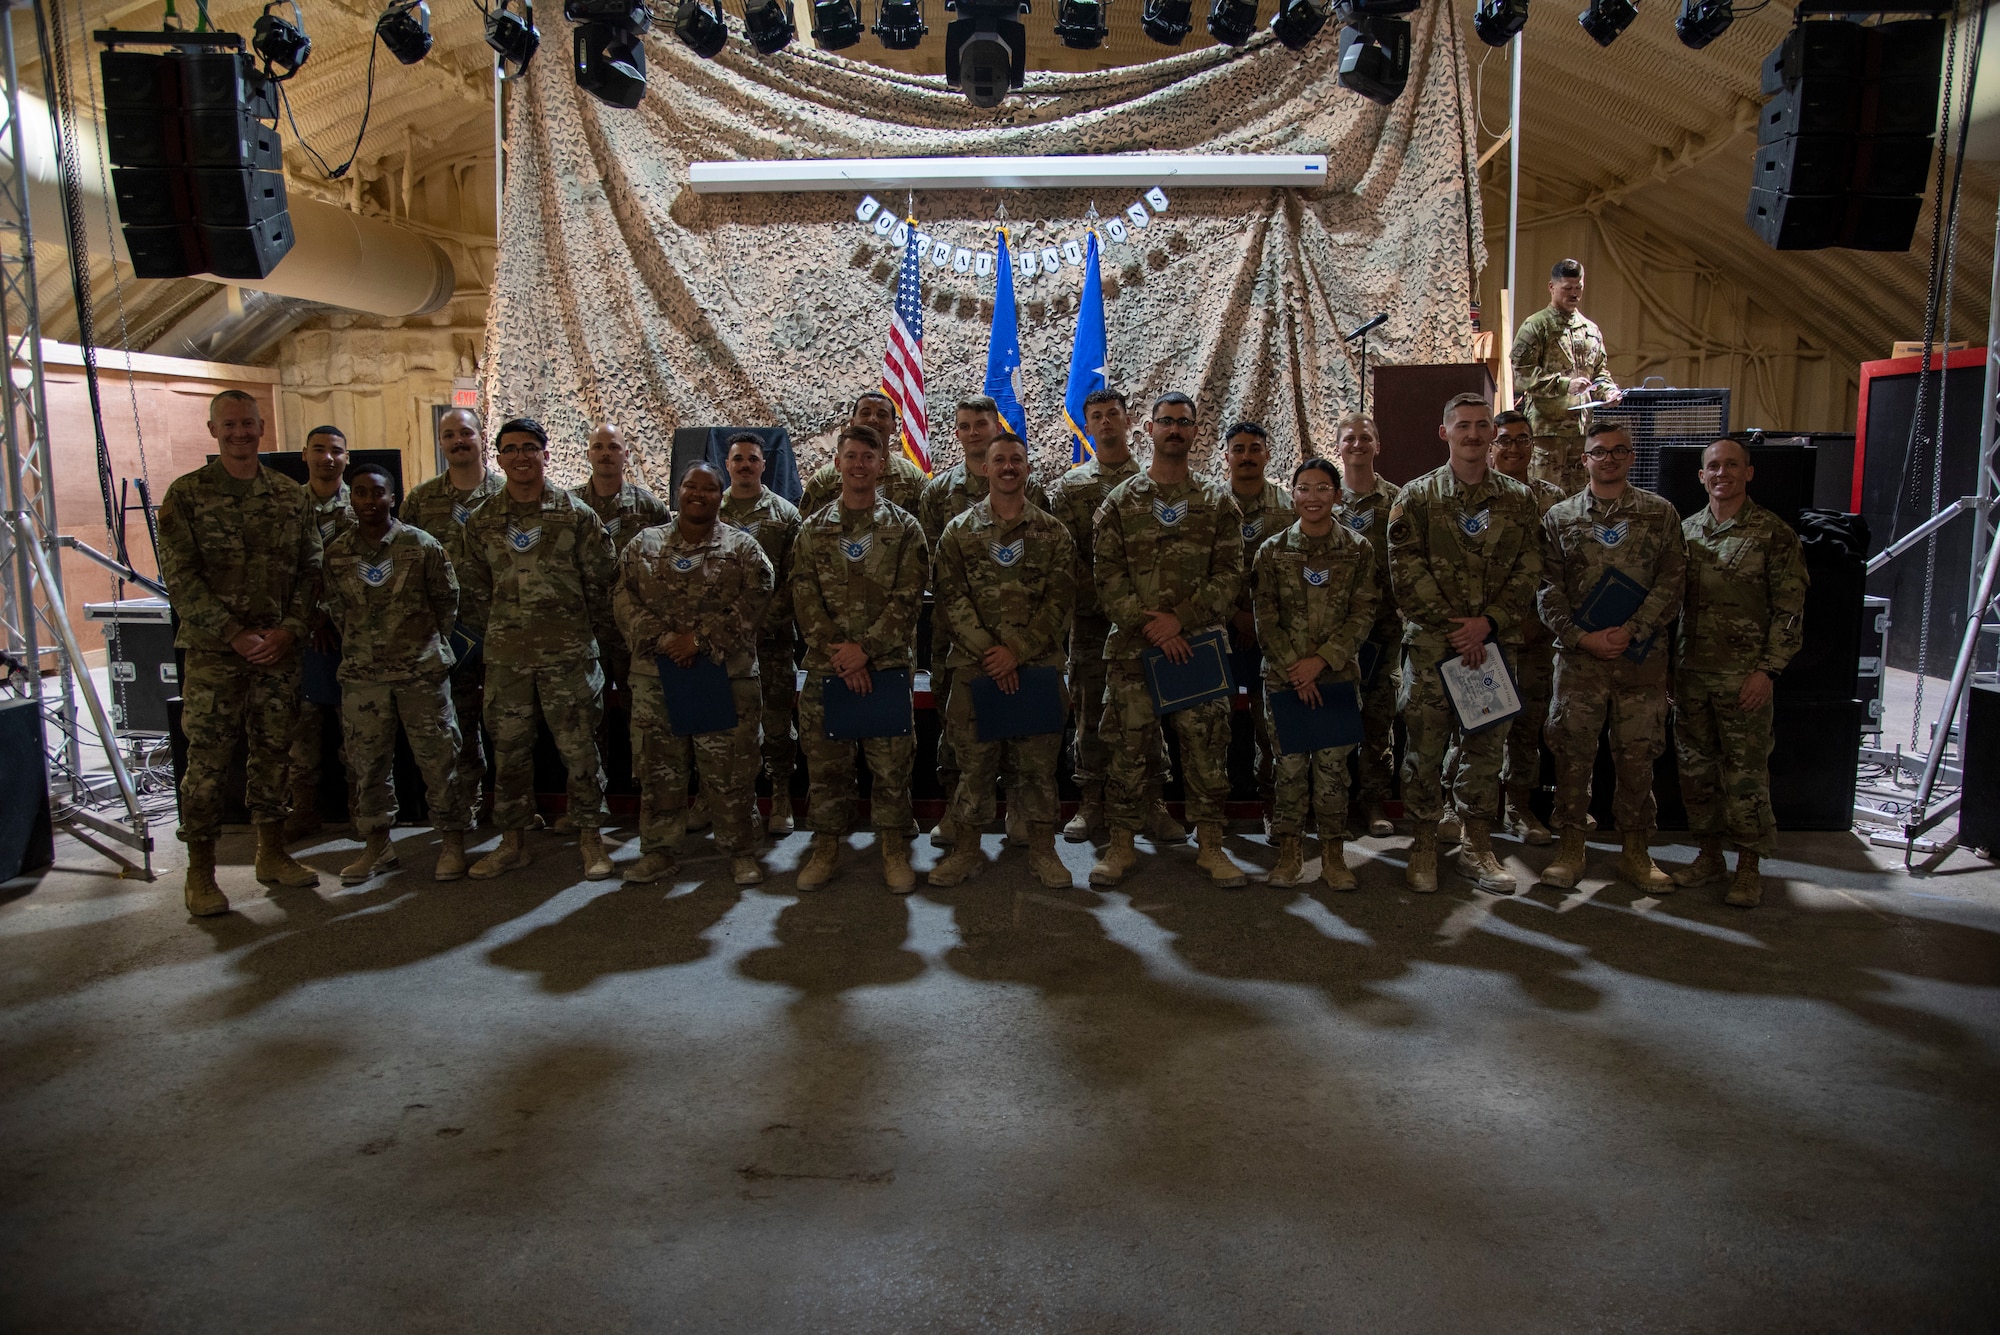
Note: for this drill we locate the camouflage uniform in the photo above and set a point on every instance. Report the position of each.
(945, 498)
(1078, 494)
(1457, 551)
(1638, 534)
(440, 509)
(332, 517)
(1366, 515)
(536, 582)
(1745, 612)
(857, 577)
(902, 485)
(394, 603)
(1265, 514)
(624, 514)
(236, 556)
(667, 584)
(1172, 548)
(1012, 583)
(1549, 349)
(774, 523)
(1313, 596)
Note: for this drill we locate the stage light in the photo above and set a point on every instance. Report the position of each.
(701, 31)
(1232, 21)
(900, 24)
(610, 50)
(1375, 57)
(1605, 19)
(280, 43)
(836, 25)
(1081, 24)
(1702, 21)
(405, 28)
(1496, 21)
(1167, 22)
(1297, 22)
(769, 26)
(985, 49)
(511, 32)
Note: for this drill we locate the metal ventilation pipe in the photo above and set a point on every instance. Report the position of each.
(339, 258)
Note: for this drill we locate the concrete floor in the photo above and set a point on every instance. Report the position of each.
(544, 1104)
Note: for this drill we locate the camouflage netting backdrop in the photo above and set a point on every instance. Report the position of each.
(623, 294)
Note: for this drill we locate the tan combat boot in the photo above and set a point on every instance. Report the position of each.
(779, 823)
(1043, 860)
(1214, 859)
(1089, 817)
(203, 897)
(1377, 822)
(1333, 867)
(1017, 820)
(945, 833)
(1637, 866)
(1707, 866)
(1450, 830)
(379, 855)
(1161, 827)
(896, 872)
(744, 869)
(698, 815)
(822, 858)
(304, 819)
(451, 856)
(1291, 865)
(562, 825)
(1522, 822)
(654, 866)
(963, 862)
(1119, 858)
(1746, 888)
(1421, 874)
(1563, 872)
(274, 865)
(596, 862)
(511, 854)
(1477, 863)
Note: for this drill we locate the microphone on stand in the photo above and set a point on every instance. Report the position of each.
(1362, 332)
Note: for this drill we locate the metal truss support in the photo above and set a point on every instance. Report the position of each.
(33, 615)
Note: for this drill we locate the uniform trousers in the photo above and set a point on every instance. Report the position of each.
(1725, 761)
(1124, 725)
(226, 699)
(569, 697)
(1630, 699)
(369, 711)
(725, 759)
(830, 770)
(1031, 761)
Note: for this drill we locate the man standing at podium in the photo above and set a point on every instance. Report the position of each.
(1560, 363)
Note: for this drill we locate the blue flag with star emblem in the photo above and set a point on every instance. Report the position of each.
(1088, 357)
(1003, 345)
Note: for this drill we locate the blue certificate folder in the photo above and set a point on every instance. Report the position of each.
(1204, 677)
(1302, 728)
(1034, 709)
(886, 711)
(1615, 600)
(465, 646)
(319, 677)
(699, 699)
(1368, 658)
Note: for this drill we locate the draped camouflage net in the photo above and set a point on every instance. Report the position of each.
(622, 294)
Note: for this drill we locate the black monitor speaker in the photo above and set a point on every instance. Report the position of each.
(27, 840)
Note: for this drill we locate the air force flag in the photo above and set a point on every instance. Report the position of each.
(1003, 346)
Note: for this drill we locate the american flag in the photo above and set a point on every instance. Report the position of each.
(903, 363)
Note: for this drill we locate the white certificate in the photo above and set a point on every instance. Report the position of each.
(1483, 696)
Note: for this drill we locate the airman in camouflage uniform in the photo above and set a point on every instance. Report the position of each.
(1534, 662)
(1169, 566)
(1609, 525)
(440, 507)
(1559, 362)
(1365, 501)
(858, 573)
(392, 596)
(1267, 510)
(689, 589)
(332, 515)
(947, 496)
(1464, 559)
(241, 562)
(1743, 620)
(535, 576)
(902, 483)
(1316, 592)
(1075, 500)
(1005, 584)
(762, 514)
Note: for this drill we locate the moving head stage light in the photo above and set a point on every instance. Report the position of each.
(280, 43)
(836, 24)
(1297, 22)
(405, 28)
(1167, 22)
(1702, 21)
(701, 31)
(610, 53)
(1232, 22)
(511, 32)
(1081, 25)
(986, 50)
(769, 26)
(1497, 21)
(1375, 57)
(900, 24)
(1605, 19)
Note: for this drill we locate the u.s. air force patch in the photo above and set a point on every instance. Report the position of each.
(1611, 535)
(1008, 553)
(1169, 515)
(375, 576)
(1316, 578)
(1361, 520)
(1475, 524)
(523, 539)
(859, 548)
(686, 563)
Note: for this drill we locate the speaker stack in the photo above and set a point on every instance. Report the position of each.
(197, 171)
(1844, 145)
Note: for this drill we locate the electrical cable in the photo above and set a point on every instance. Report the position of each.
(367, 107)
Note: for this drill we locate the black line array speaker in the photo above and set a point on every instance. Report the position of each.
(1979, 812)
(1844, 144)
(27, 840)
(197, 171)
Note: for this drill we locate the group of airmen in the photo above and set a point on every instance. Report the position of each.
(499, 596)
